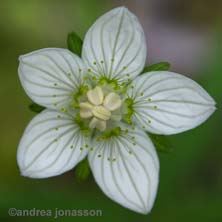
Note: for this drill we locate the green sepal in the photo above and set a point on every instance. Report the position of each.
(161, 143)
(74, 43)
(82, 170)
(34, 107)
(161, 66)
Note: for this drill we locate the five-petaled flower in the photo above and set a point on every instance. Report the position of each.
(99, 106)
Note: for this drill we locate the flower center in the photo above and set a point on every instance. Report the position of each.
(100, 108)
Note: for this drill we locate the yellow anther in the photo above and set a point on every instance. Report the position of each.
(98, 124)
(86, 110)
(95, 96)
(112, 101)
(101, 112)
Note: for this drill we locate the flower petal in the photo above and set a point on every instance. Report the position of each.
(51, 145)
(115, 46)
(126, 168)
(169, 103)
(51, 76)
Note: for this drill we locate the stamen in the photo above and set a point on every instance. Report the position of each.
(112, 101)
(101, 112)
(100, 108)
(95, 96)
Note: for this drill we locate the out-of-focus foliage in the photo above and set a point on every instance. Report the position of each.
(74, 43)
(161, 66)
(34, 107)
(161, 143)
(82, 170)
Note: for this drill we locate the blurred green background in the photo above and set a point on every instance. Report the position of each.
(185, 33)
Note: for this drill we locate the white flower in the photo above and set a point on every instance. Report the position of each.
(99, 106)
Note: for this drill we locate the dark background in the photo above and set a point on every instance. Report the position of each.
(185, 33)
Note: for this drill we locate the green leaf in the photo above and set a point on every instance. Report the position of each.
(82, 170)
(74, 43)
(161, 66)
(161, 143)
(36, 108)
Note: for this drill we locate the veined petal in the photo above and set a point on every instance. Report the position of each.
(126, 168)
(169, 103)
(115, 46)
(51, 145)
(51, 76)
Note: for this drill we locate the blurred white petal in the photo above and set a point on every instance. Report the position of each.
(126, 168)
(51, 145)
(51, 76)
(169, 103)
(115, 45)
